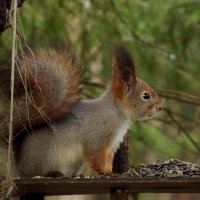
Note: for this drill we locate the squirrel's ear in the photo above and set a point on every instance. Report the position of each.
(123, 70)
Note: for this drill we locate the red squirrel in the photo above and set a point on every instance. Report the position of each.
(55, 131)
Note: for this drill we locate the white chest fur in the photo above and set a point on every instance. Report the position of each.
(119, 136)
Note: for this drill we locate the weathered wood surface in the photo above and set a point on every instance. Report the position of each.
(65, 186)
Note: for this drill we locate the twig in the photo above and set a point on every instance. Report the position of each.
(169, 94)
(196, 145)
(162, 120)
(8, 183)
(179, 96)
(184, 146)
(183, 117)
(13, 23)
(99, 85)
(181, 93)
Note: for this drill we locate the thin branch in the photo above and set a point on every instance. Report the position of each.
(99, 85)
(183, 117)
(181, 93)
(13, 23)
(169, 94)
(175, 141)
(179, 96)
(164, 121)
(196, 145)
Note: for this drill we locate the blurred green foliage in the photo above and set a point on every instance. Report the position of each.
(163, 36)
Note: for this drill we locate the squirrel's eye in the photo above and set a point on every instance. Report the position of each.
(146, 96)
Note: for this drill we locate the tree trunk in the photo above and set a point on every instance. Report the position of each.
(120, 165)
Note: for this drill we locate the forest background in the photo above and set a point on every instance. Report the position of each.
(164, 38)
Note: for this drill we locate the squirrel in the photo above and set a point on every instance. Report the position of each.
(53, 130)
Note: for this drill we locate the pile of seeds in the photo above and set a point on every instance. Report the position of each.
(168, 168)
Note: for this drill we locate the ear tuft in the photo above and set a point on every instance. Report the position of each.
(123, 64)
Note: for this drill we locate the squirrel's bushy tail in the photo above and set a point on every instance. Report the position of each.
(46, 86)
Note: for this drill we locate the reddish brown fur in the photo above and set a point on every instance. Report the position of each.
(101, 161)
(35, 101)
(117, 87)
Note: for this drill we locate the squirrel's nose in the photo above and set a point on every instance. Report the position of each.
(160, 107)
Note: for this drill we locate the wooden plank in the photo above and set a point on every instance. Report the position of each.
(32, 197)
(118, 194)
(65, 186)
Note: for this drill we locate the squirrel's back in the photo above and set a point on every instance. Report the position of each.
(46, 86)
